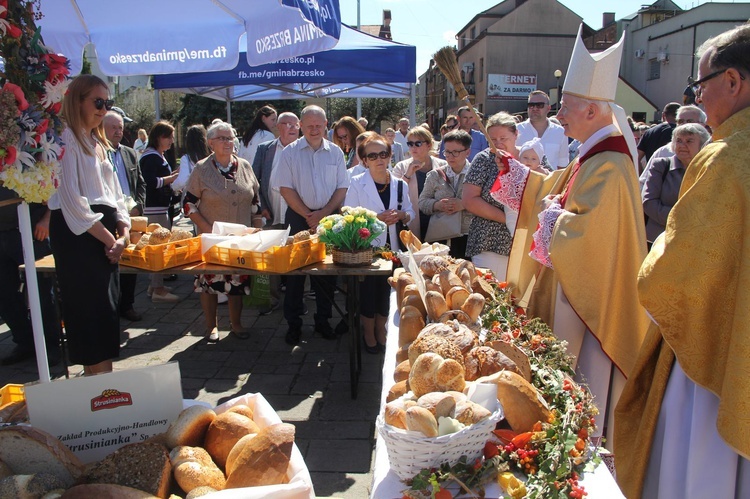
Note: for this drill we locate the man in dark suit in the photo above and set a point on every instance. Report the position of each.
(125, 161)
(273, 207)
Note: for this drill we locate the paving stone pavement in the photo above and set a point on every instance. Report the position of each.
(307, 385)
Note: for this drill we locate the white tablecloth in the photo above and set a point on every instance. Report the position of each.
(385, 483)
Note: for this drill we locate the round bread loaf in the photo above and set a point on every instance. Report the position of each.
(262, 460)
(303, 235)
(435, 344)
(224, 431)
(483, 361)
(455, 332)
(178, 234)
(190, 426)
(159, 236)
(433, 264)
(522, 404)
(192, 467)
(423, 374)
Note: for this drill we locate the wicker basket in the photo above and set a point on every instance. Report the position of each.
(410, 452)
(349, 258)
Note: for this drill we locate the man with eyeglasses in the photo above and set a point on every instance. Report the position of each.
(466, 122)
(683, 414)
(312, 180)
(551, 134)
(659, 135)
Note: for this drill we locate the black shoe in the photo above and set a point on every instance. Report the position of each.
(16, 356)
(269, 309)
(293, 335)
(343, 326)
(374, 350)
(131, 315)
(324, 328)
(171, 277)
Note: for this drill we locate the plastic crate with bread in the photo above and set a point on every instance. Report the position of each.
(157, 248)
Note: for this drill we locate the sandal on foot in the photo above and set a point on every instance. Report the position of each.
(374, 350)
(212, 336)
(240, 333)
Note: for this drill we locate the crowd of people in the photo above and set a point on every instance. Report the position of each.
(599, 223)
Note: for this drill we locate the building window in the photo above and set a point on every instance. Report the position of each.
(654, 69)
(481, 68)
(473, 33)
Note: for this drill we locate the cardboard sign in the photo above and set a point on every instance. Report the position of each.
(96, 415)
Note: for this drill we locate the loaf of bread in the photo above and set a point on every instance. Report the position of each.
(394, 415)
(139, 224)
(27, 451)
(159, 236)
(482, 287)
(153, 227)
(143, 241)
(484, 360)
(440, 404)
(397, 390)
(105, 491)
(410, 240)
(431, 373)
(142, 466)
(224, 432)
(435, 344)
(410, 324)
(403, 280)
(190, 427)
(422, 420)
(178, 234)
(431, 286)
(29, 486)
(135, 236)
(520, 359)
(401, 372)
(433, 264)
(522, 403)
(14, 412)
(263, 459)
(448, 280)
(435, 304)
(5, 470)
(303, 235)
(473, 306)
(455, 315)
(414, 300)
(469, 412)
(192, 467)
(465, 277)
(243, 409)
(456, 296)
(461, 336)
(403, 353)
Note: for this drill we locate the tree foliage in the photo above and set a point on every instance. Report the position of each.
(375, 110)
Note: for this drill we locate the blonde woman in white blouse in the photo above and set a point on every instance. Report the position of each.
(89, 228)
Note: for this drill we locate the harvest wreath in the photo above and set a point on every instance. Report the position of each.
(549, 448)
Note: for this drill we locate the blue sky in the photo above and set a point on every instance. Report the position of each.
(432, 24)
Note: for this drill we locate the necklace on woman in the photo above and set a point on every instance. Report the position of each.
(387, 182)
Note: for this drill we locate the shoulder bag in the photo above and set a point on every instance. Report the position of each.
(444, 226)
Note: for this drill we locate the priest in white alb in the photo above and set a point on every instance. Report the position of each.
(580, 238)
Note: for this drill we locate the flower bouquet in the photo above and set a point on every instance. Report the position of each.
(351, 234)
(32, 84)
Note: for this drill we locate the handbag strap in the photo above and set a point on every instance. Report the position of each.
(400, 194)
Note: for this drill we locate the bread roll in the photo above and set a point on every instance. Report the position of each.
(190, 427)
(192, 467)
(159, 236)
(431, 286)
(242, 409)
(448, 280)
(438, 403)
(178, 234)
(410, 324)
(473, 306)
(450, 376)
(410, 290)
(484, 360)
(456, 296)
(469, 267)
(224, 431)
(397, 390)
(457, 396)
(27, 451)
(435, 344)
(139, 224)
(153, 227)
(423, 374)
(29, 486)
(143, 241)
(105, 491)
(522, 403)
(402, 371)
(432, 264)
(422, 420)
(394, 415)
(469, 412)
(262, 460)
(435, 304)
(303, 235)
(414, 300)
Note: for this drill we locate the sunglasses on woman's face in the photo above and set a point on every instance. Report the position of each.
(375, 155)
(100, 104)
(416, 143)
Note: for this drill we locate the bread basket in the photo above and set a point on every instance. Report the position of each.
(409, 452)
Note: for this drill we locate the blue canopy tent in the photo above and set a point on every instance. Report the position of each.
(359, 66)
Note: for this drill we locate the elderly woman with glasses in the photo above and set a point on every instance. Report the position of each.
(222, 188)
(414, 171)
(444, 186)
(663, 180)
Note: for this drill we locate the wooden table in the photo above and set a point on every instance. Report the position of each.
(353, 276)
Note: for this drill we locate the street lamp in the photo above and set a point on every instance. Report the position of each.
(558, 74)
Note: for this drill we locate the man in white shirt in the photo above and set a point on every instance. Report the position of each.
(551, 134)
(403, 130)
(313, 181)
(265, 166)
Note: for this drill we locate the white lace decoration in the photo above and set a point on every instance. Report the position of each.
(543, 234)
(512, 183)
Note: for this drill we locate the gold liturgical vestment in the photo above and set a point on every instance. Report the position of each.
(597, 247)
(695, 284)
